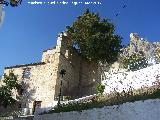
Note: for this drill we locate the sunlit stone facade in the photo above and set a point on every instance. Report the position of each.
(41, 80)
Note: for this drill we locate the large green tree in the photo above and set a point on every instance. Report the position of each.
(9, 83)
(94, 38)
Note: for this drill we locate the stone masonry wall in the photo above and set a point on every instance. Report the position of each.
(81, 76)
(44, 80)
(90, 77)
(43, 83)
(38, 86)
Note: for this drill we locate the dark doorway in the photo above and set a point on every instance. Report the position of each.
(36, 105)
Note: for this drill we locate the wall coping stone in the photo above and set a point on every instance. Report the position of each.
(25, 65)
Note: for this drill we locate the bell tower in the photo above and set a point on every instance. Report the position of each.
(63, 43)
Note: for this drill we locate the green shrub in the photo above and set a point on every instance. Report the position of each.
(100, 88)
(158, 53)
(135, 62)
(10, 83)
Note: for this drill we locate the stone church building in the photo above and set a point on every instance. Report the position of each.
(41, 81)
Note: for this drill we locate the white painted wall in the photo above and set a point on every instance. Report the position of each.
(147, 110)
(123, 80)
(120, 80)
(46, 109)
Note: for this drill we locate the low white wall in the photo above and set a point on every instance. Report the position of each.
(119, 81)
(46, 109)
(139, 110)
(122, 80)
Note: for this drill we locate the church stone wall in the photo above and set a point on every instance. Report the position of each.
(43, 83)
(40, 85)
(81, 76)
(90, 77)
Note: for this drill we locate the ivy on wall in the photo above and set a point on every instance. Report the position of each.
(158, 53)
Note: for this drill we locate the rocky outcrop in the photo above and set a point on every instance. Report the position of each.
(140, 45)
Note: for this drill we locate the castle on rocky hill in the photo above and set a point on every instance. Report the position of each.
(42, 80)
(140, 45)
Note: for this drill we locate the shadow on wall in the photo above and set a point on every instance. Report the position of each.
(81, 76)
(46, 109)
(23, 98)
(9, 109)
(26, 94)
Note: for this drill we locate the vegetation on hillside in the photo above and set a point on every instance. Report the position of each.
(135, 62)
(115, 98)
(158, 53)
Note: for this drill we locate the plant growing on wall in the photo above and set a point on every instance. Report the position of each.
(10, 83)
(94, 38)
(100, 88)
(158, 53)
(135, 62)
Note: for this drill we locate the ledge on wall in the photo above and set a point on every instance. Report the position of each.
(24, 65)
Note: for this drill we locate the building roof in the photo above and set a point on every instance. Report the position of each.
(49, 49)
(25, 65)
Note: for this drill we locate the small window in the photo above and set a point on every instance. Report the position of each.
(23, 105)
(21, 91)
(19, 106)
(36, 105)
(26, 73)
(56, 98)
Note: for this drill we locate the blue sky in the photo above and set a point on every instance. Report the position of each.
(29, 29)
